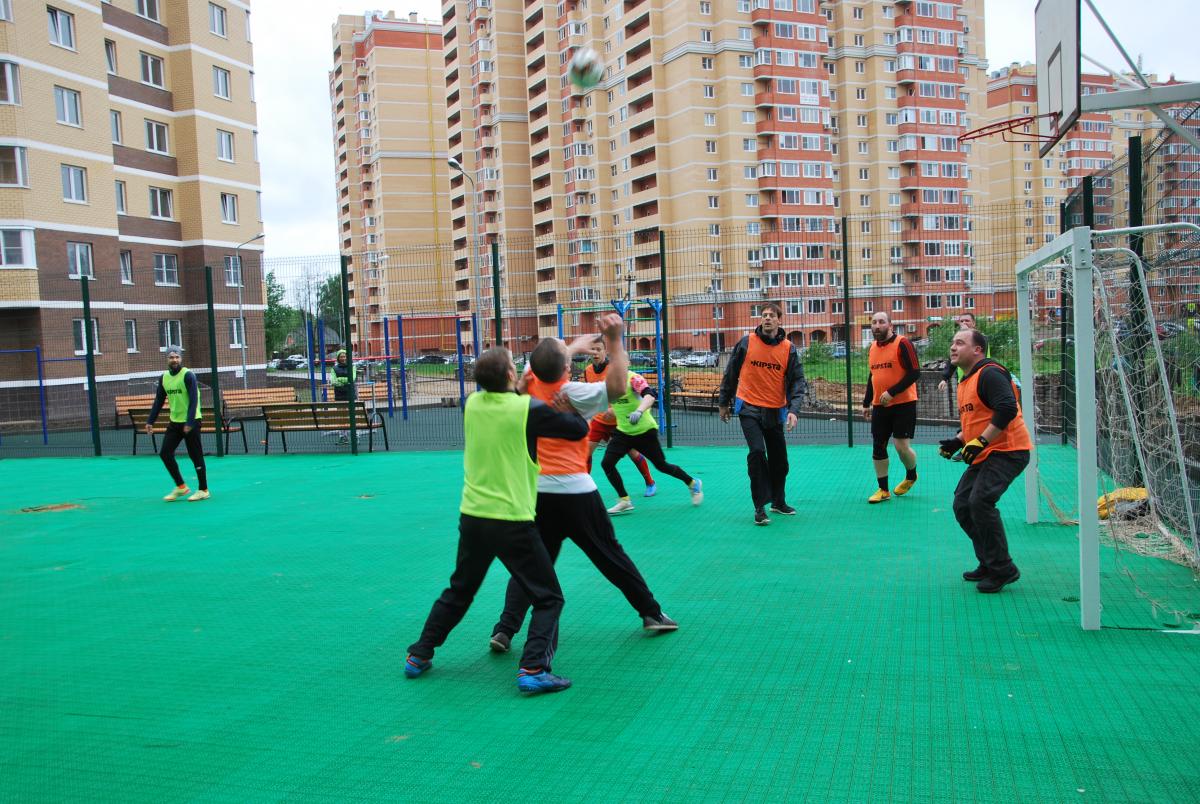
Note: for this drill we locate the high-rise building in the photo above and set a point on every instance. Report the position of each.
(128, 156)
(389, 116)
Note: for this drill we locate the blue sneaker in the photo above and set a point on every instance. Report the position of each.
(535, 681)
(414, 667)
(697, 492)
(651, 490)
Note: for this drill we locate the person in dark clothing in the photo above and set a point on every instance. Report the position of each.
(177, 387)
(995, 445)
(343, 377)
(497, 518)
(890, 404)
(764, 387)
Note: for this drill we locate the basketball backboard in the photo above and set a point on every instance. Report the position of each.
(1056, 26)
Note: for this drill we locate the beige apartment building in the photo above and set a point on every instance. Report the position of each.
(128, 155)
(389, 114)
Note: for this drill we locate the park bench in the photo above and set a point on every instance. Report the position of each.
(251, 400)
(139, 416)
(321, 417)
(374, 392)
(128, 402)
(699, 388)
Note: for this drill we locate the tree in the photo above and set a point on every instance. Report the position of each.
(279, 319)
(329, 302)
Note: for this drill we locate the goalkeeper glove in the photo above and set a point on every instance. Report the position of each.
(635, 417)
(949, 447)
(973, 448)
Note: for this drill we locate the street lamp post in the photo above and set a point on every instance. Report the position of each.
(456, 165)
(241, 280)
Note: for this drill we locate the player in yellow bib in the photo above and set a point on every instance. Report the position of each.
(177, 387)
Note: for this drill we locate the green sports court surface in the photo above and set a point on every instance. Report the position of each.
(249, 648)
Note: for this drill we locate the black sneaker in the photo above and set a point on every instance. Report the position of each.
(783, 508)
(975, 575)
(500, 642)
(660, 623)
(994, 583)
(760, 517)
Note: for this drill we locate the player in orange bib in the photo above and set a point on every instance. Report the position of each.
(995, 445)
(764, 387)
(602, 427)
(890, 404)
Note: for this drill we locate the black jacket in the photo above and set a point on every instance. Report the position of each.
(795, 386)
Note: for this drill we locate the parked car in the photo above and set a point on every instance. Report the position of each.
(701, 359)
(273, 363)
(292, 363)
(427, 360)
(643, 359)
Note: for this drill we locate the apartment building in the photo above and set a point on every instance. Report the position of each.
(389, 115)
(128, 156)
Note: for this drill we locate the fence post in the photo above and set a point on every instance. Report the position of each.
(1141, 337)
(37, 351)
(387, 363)
(496, 292)
(214, 378)
(846, 319)
(664, 347)
(312, 376)
(462, 383)
(1064, 313)
(89, 361)
(475, 333)
(321, 346)
(560, 323)
(352, 404)
(403, 369)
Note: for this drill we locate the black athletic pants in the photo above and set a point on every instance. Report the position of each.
(645, 443)
(195, 451)
(582, 519)
(520, 549)
(979, 489)
(767, 463)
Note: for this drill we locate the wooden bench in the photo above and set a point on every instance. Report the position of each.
(321, 417)
(139, 416)
(253, 399)
(124, 404)
(367, 392)
(699, 388)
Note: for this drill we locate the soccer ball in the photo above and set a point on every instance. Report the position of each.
(585, 69)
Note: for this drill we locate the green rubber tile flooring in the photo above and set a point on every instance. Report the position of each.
(249, 648)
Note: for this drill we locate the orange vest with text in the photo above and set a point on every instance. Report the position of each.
(557, 456)
(762, 378)
(886, 371)
(974, 417)
(591, 375)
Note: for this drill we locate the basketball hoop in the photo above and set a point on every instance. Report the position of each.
(1010, 128)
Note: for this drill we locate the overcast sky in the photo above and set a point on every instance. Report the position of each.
(293, 53)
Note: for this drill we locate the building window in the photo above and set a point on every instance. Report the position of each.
(247, 25)
(710, 146)
(170, 335)
(225, 145)
(74, 184)
(237, 332)
(148, 9)
(710, 119)
(221, 82)
(121, 206)
(114, 125)
(233, 271)
(14, 245)
(66, 106)
(166, 269)
(706, 63)
(714, 202)
(161, 206)
(79, 260)
(712, 174)
(229, 208)
(152, 71)
(710, 91)
(156, 137)
(857, 12)
(13, 169)
(216, 20)
(110, 56)
(62, 27)
(706, 34)
(126, 261)
(130, 335)
(10, 83)
(80, 342)
(6, 10)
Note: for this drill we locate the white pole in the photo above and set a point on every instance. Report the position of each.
(241, 280)
(1028, 395)
(1085, 417)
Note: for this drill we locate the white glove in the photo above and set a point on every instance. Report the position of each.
(635, 417)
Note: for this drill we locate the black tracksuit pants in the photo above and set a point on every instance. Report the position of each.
(979, 489)
(767, 462)
(647, 444)
(582, 519)
(195, 450)
(520, 549)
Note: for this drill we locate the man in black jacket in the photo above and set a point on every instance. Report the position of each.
(764, 385)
